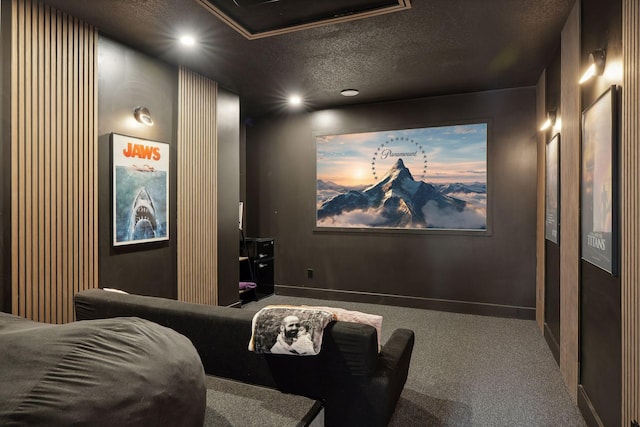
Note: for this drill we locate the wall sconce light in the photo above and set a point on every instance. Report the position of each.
(551, 120)
(143, 116)
(596, 65)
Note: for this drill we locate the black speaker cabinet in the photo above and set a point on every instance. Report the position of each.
(261, 252)
(263, 270)
(260, 247)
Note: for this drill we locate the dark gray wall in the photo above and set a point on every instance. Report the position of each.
(492, 274)
(228, 124)
(552, 298)
(126, 79)
(600, 308)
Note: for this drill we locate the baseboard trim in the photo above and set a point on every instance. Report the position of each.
(237, 304)
(496, 310)
(587, 410)
(552, 343)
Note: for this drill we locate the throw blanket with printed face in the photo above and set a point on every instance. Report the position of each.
(290, 330)
(343, 315)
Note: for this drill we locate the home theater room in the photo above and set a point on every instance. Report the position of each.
(320, 213)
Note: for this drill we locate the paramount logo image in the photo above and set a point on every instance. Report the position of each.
(397, 200)
(422, 178)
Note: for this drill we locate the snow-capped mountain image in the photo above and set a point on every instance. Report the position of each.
(459, 188)
(397, 200)
(328, 189)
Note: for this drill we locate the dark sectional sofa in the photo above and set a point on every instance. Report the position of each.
(357, 385)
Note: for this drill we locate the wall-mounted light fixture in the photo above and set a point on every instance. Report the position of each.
(596, 65)
(143, 116)
(551, 120)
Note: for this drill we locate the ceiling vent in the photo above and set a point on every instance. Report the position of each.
(263, 18)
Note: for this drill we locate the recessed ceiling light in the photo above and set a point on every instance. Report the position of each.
(187, 40)
(295, 100)
(350, 92)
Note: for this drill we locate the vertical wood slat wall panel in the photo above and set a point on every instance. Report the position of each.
(569, 201)
(28, 158)
(630, 212)
(46, 248)
(53, 160)
(196, 183)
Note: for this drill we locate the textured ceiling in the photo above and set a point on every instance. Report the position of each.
(437, 47)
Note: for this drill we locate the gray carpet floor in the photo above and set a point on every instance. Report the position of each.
(466, 370)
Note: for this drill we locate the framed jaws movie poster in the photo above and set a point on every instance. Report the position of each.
(140, 170)
(599, 177)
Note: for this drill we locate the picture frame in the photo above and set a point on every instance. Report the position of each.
(427, 179)
(598, 188)
(140, 190)
(552, 190)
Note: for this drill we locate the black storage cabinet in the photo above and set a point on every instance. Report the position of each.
(261, 251)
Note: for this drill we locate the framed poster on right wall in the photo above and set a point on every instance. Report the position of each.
(552, 190)
(599, 202)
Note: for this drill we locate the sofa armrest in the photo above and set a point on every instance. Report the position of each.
(372, 400)
(396, 353)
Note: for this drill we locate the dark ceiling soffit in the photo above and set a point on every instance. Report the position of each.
(401, 5)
